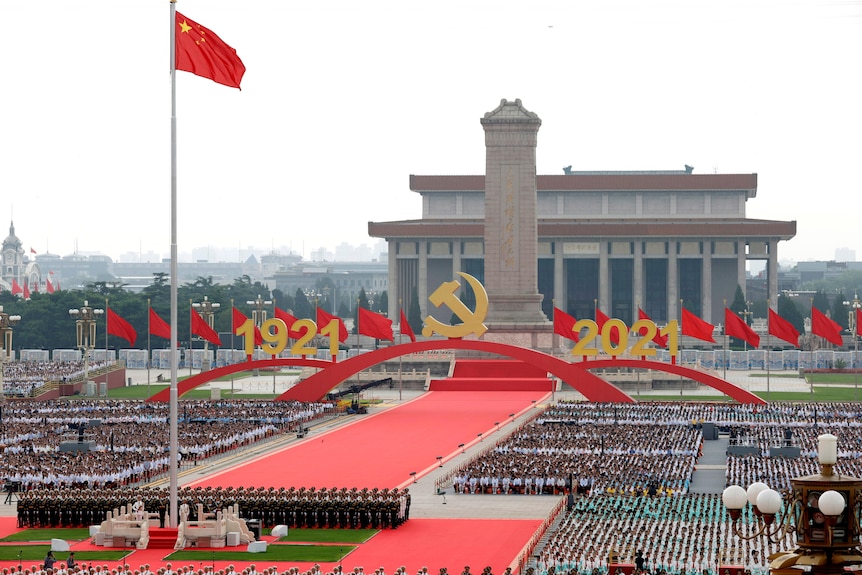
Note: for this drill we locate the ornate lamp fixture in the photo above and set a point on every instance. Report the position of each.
(823, 511)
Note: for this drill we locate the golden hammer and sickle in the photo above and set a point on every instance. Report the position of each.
(472, 320)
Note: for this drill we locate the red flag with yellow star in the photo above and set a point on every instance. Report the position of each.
(202, 53)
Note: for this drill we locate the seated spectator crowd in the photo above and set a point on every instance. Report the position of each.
(633, 465)
(131, 440)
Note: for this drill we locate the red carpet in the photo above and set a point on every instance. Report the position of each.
(382, 449)
(493, 375)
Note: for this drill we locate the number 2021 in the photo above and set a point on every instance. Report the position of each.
(645, 328)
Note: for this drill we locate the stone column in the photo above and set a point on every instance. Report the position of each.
(740, 266)
(638, 279)
(772, 273)
(511, 227)
(422, 279)
(604, 279)
(673, 310)
(393, 285)
(706, 283)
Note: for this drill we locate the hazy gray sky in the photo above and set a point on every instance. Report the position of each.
(342, 101)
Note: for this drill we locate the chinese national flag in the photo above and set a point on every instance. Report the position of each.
(695, 327)
(782, 329)
(240, 318)
(658, 339)
(288, 320)
(201, 52)
(202, 328)
(158, 326)
(564, 324)
(735, 327)
(324, 317)
(375, 325)
(121, 328)
(406, 329)
(601, 319)
(825, 327)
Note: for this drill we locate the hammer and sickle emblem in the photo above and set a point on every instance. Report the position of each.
(472, 320)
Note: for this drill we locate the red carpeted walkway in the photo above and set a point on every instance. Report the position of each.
(381, 450)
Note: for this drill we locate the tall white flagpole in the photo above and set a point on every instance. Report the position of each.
(174, 450)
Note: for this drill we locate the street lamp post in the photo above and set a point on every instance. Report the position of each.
(855, 305)
(7, 322)
(85, 329)
(207, 310)
(258, 317)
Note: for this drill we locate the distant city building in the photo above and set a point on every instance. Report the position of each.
(17, 266)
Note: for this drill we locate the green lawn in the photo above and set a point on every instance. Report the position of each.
(47, 534)
(330, 535)
(304, 553)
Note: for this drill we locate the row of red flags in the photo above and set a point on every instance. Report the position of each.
(695, 327)
(50, 287)
(371, 324)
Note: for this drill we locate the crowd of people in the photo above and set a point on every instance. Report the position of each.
(630, 467)
(343, 508)
(20, 378)
(127, 442)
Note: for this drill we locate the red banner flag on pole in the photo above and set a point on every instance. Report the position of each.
(564, 324)
(121, 328)
(406, 329)
(49, 287)
(16, 289)
(782, 329)
(288, 320)
(201, 52)
(735, 327)
(825, 327)
(238, 318)
(658, 339)
(858, 321)
(158, 326)
(375, 325)
(202, 328)
(26, 290)
(324, 317)
(695, 327)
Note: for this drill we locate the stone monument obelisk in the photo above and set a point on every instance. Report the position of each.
(511, 225)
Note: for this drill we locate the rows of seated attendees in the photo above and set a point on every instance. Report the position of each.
(633, 464)
(304, 507)
(688, 534)
(21, 378)
(131, 441)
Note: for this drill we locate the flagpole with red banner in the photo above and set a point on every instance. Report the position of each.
(726, 344)
(219, 62)
(174, 412)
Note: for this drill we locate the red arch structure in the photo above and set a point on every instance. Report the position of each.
(577, 375)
